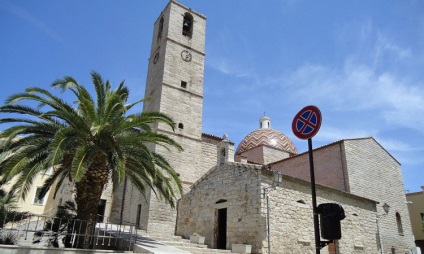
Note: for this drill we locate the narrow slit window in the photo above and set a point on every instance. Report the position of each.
(160, 30)
(399, 224)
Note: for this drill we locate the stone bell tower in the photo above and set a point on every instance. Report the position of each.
(175, 86)
(176, 67)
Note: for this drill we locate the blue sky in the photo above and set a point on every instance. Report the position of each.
(361, 62)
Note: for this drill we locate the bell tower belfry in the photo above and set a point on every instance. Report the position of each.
(175, 87)
(176, 67)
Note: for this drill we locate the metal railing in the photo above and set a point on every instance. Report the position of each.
(35, 230)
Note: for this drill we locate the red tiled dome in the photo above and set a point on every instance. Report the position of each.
(268, 137)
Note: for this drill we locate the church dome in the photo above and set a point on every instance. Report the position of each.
(268, 137)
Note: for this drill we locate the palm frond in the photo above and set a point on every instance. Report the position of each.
(81, 162)
(58, 175)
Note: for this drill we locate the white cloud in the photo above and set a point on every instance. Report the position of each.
(363, 83)
(396, 145)
(361, 88)
(385, 48)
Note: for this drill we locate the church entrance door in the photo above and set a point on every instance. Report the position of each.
(221, 229)
(101, 210)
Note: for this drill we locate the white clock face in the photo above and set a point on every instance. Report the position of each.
(186, 55)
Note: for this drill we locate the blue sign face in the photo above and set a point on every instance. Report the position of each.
(307, 122)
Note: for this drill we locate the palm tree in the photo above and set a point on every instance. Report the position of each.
(89, 144)
(7, 207)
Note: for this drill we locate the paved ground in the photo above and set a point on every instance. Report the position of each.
(144, 244)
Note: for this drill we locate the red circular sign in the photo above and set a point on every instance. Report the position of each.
(307, 122)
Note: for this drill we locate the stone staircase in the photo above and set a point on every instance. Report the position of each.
(183, 244)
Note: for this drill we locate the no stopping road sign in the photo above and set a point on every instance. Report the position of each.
(307, 122)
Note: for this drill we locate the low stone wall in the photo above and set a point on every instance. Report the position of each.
(11, 249)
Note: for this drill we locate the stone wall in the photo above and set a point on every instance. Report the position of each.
(264, 154)
(364, 168)
(373, 173)
(191, 164)
(210, 150)
(233, 186)
(292, 229)
(328, 164)
(241, 189)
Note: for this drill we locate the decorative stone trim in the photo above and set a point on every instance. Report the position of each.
(358, 247)
(198, 239)
(304, 242)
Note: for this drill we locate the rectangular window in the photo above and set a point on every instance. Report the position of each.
(183, 84)
(422, 221)
(38, 201)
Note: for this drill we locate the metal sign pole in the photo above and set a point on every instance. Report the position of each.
(305, 125)
(314, 199)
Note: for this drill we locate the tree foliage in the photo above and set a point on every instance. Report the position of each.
(88, 142)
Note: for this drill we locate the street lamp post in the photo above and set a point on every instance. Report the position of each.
(386, 209)
(278, 178)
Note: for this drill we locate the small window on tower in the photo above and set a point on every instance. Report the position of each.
(183, 84)
(180, 126)
(399, 224)
(160, 30)
(188, 25)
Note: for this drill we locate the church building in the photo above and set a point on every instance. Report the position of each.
(230, 195)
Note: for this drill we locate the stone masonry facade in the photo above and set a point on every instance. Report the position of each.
(375, 174)
(175, 87)
(233, 186)
(361, 167)
(241, 187)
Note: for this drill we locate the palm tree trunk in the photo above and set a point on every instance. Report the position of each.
(89, 191)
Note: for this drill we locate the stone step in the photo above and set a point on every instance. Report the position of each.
(195, 250)
(184, 244)
(207, 251)
(165, 237)
(181, 243)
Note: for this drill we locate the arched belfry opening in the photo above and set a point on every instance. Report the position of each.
(223, 153)
(160, 28)
(188, 25)
(225, 150)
